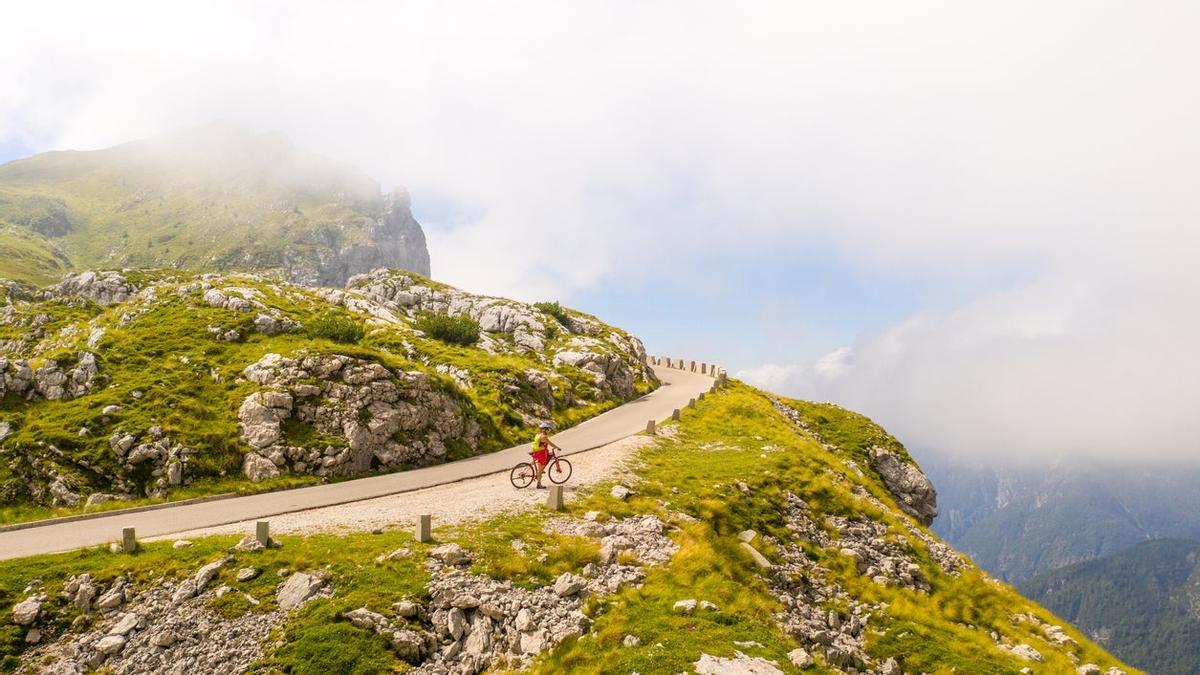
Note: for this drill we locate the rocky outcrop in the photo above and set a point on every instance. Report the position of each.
(393, 240)
(615, 360)
(913, 491)
(371, 416)
(51, 381)
(472, 623)
(102, 288)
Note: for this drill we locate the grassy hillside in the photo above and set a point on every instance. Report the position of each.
(732, 464)
(207, 199)
(1142, 603)
(169, 373)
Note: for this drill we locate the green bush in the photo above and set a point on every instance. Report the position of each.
(455, 330)
(336, 328)
(555, 310)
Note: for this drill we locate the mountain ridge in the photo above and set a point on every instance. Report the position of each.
(213, 198)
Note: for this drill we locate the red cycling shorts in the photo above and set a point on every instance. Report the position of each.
(541, 456)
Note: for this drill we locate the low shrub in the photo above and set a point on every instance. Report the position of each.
(555, 310)
(336, 328)
(455, 330)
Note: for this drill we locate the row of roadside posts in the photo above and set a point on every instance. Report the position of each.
(554, 500)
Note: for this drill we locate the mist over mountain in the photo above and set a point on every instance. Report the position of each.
(211, 198)
(1021, 520)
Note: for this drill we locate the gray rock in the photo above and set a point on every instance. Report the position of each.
(126, 625)
(297, 590)
(568, 584)
(631, 641)
(26, 612)
(685, 606)
(456, 623)
(739, 664)
(450, 554)
(620, 492)
(800, 658)
(110, 644)
(248, 573)
(1027, 653)
(1088, 669)
(913, 491)
(407, 609)
(258, 468)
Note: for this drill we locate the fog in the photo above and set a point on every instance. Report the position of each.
(1029, 168)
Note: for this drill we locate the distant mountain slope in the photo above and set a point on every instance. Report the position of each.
(213, 198)
(1019, 522)
(1142, 603)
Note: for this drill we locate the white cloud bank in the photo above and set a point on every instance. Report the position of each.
(940, 145)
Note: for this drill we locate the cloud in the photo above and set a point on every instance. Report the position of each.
(1087, 366)
(1023, 172)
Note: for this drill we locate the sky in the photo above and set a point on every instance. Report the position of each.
(975, 222)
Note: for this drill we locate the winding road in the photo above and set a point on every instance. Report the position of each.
(678, 386)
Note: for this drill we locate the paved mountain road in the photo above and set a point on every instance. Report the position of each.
(626, 420)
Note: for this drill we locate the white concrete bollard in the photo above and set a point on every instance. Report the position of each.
(650, 427)
(424, 529)
(128, 540)
(675, 414)
(554, 500)
(262, 532)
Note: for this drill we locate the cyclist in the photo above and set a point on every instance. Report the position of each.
(541, 452)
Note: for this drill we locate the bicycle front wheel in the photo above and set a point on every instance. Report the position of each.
(559, 471)
(522, 475)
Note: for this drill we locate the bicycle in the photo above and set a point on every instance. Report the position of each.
(558, 470)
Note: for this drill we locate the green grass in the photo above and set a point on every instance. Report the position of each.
(852, 432)
(730, 437)
(737, 436)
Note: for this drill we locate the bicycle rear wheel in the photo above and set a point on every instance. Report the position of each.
(559, 471)
(522, 475)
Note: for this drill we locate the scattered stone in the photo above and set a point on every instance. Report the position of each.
(739, 664)
(709, 606)
(568, 584)
(33, 637)
(620, 492)
(450, 554)
(125, 625)
(26, 612)
(182, 543)
(247, 573)
(685, 606)
(1027, 653)
(163, 639)
(800, 658)
(1088, 669)
(111, 644)
(631, 641)
(747, 536)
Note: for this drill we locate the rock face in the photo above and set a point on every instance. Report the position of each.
(374, 417)
(913, 491)
(51, 381)
(393, 240)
